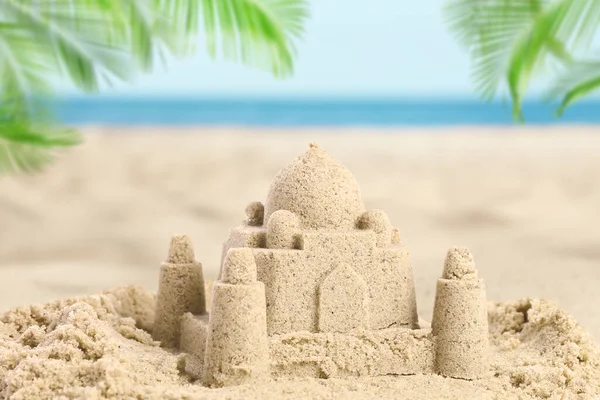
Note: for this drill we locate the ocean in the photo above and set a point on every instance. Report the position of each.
(290, 113)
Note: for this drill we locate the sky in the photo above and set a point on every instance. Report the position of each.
(377, 48)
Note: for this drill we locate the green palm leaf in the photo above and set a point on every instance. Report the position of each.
(259, 33)
(529, 52)
(27, 148)
(577, 81)
(511, 40)
(95, 42)
(488, 30)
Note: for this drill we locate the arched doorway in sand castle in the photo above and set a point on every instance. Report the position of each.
(343, 301)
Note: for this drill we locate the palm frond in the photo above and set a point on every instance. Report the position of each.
(22, 69)
(177, 24)
(259, 33)
(579, 25)
(93, 42)
(578, 80)
(87, 54)
(529, 52)
(564, 24)
(27, 148)
(488, 29)
(511, 39)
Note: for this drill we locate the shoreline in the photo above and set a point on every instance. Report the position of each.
(527, 129)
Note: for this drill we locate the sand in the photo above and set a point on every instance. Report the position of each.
(523, 200)
(92, 348)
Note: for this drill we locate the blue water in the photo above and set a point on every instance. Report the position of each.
(157, 111)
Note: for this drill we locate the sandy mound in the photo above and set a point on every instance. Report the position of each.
(99, 347)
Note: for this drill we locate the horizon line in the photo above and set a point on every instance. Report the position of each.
(311, 98)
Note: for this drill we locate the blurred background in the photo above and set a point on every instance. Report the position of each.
(184, 146)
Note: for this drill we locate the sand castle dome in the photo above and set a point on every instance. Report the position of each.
(321, 191)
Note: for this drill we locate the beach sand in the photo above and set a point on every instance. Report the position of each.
(525, 201)
(93, 348)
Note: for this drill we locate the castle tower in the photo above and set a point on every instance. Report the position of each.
(378, 221)
(460, 324)
(180, 290)
(237, 348)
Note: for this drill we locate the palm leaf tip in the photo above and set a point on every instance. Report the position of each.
(25, 148)
(259, 33)
(578, 80)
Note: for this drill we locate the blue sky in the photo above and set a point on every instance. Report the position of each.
(351, 48)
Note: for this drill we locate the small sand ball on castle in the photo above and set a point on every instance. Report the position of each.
(459, 264)
(239, 267)
(181, 250)
(255, 213)
(374, 219)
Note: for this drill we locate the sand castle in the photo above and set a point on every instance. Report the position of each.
(312, 284)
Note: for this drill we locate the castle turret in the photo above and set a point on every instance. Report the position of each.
(378, 221)
(237, 349)
(180, 290)
(282, 230)
(459, 324)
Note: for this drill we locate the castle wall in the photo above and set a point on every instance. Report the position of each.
(292, 279)
(343, 301)
(194, 332)
(393, 298)
(395, 351)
